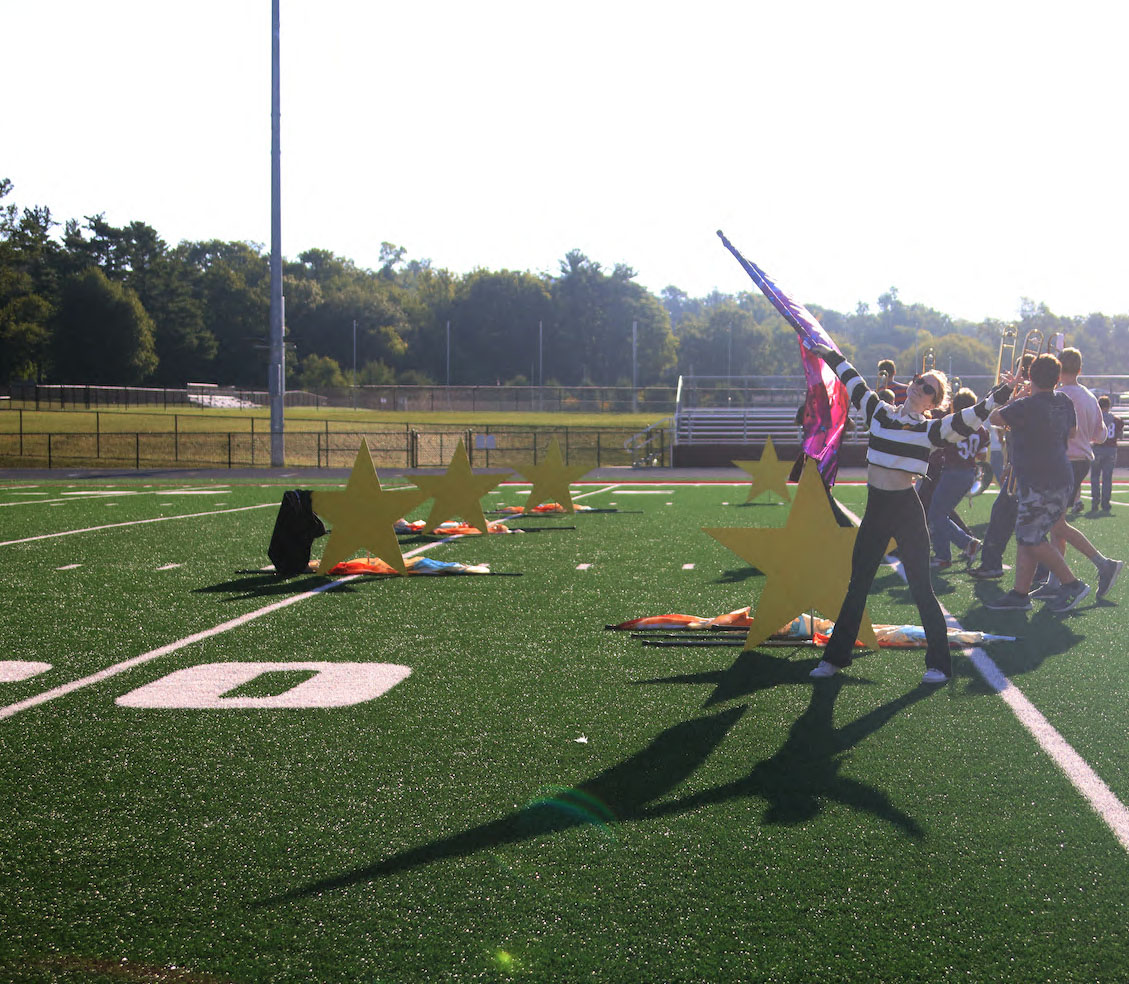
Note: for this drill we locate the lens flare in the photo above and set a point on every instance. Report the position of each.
(575, 805)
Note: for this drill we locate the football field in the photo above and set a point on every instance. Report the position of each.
(213, 775)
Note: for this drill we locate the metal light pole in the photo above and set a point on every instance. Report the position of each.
(448, 355)
(276, 379)
(354, 363)
(634, 351)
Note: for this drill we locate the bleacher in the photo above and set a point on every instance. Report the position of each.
(705, 434)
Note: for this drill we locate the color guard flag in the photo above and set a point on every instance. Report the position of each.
(826, 403)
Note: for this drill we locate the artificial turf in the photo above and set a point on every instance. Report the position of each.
(541, 799)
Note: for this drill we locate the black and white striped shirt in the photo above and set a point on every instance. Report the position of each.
(902, 440)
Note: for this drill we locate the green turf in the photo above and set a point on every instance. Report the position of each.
(724, 818)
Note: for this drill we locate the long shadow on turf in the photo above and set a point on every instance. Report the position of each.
(805, 771)
(750, 672)
(617, 794)
(266, 585)
(795, 782)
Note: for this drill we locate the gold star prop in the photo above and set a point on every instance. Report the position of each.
(807, 562)
(363, 515)
(551, 479)
(770, 474)
(457, 493)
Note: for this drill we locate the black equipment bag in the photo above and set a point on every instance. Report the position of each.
(295, 529)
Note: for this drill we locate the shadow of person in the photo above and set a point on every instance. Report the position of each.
(265, 585)
(806, 771)
(614, 795)
(751, 672)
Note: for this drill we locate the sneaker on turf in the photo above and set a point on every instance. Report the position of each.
(1049, 588)
(823, 670)
(986, 573)
(1108, 574)
(1013, 601)
(1069, 597)
(1076, 508)
(972, 549)
(934, 675)
(938, 564)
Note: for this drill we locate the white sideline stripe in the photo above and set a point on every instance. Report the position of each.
(1092, 787)
(172, 647)
(134, 522)
(169, 567)
(1082, 777)
(68, 567)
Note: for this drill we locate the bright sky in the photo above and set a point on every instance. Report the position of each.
(968, 153)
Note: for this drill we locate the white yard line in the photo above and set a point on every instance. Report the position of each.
(1082, 777)
(172, 647)
(134, 522)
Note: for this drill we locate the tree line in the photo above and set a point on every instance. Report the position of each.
(90, 302)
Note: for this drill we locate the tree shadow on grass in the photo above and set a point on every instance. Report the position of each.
(795, 782)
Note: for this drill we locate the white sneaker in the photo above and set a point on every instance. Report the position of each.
(824, 669)
(934, 675)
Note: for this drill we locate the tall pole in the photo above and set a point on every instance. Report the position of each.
(277, 375)
(354, 363)
(634, 351)
(448, 356)
(540, 366)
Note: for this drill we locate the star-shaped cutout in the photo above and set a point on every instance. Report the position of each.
(807, 562)
(457, 493)
(363, 515)
(551, 479)
(770, 474)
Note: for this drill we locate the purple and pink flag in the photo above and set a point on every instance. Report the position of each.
(826, 404)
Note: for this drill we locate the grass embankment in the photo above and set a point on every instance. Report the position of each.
(200, 437)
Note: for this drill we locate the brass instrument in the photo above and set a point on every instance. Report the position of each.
(1032, 346)
(1006, 358)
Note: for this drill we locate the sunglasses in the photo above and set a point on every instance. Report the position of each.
(928, 388)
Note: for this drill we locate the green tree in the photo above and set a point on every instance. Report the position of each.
(494, 326)
(320, 372)
(29, 263)
(135, 255)
(592, 338)
(103, 334)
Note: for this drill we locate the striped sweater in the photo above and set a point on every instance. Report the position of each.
(899, 439)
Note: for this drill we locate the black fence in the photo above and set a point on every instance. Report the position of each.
(499, 447)
(500, 399)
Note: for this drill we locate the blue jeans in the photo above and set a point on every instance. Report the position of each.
(1101, 475)
(996, 460)
(952, 486)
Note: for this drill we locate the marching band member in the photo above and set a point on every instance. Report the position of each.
(958, 470)
(1041, 426)
(1105, 457)
(900, 442)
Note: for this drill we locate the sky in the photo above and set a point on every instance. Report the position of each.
(969, 154)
